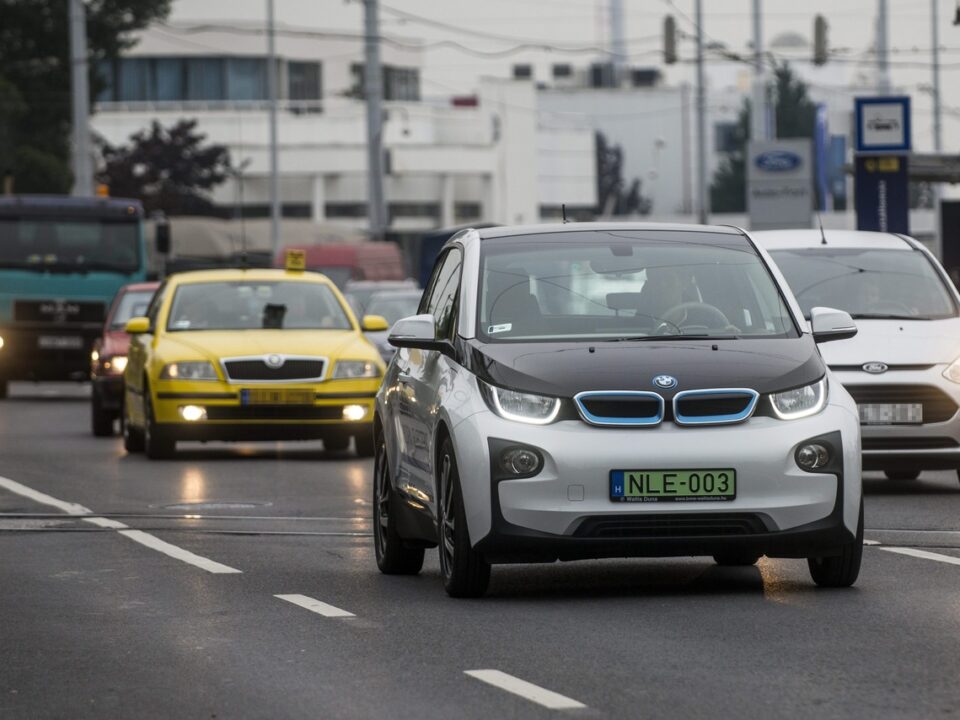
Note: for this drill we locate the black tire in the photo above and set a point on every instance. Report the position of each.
(465, 572)
(902, 474)
(101, 420)
(840, 570)
(736, 559)
(393, 558)
(4, 388)
(364, 444)
(132, 436)
(336, 443)
(157, 442)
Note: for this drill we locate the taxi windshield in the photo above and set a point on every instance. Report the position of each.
(256, 305)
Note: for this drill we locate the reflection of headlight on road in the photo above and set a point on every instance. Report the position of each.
(118, 363)
(193, 413)
(354, 412)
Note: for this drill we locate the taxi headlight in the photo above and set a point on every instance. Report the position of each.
(952, 373)
(355, 369)
(188, 371)
(800, 402)
(518, 406)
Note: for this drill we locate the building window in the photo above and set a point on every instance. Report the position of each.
(522, 72)
(169, 79)
(725, 137)
(304, 81)
(398, 83)
(562, 70)
(246, 79)
(205, 79)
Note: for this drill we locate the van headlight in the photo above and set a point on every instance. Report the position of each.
(800, 402)
(518, 406)
(188, 371)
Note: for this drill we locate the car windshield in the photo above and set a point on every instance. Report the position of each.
(866, 282)
(626, 285)
(394, 305)
(132, 304)
(251, 305)
(70, 245)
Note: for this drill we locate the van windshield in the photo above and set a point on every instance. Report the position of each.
(867, 282)
(627, 285)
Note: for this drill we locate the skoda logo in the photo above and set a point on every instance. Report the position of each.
(875, 368)
(274, 361)
(665, 382)
(778, 161)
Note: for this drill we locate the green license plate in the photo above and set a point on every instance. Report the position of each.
(672, 485)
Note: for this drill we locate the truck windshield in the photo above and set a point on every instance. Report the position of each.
(66, 245)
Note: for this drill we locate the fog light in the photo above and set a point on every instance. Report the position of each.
(812, 457)
(354, 412)
(193, 413)
(520, 461)
(1, 343)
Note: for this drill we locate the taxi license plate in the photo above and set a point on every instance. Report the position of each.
(269, 396)
(672, 485)
(60, 342)
(891, 413)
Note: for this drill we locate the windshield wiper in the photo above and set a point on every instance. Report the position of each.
(887, 316)
(685, 336)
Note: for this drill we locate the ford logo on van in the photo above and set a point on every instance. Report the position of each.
(778, 161)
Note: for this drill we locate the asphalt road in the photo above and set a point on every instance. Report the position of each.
(138, 589)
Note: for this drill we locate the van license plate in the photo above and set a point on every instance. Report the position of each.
(672, 485)
(891, 413)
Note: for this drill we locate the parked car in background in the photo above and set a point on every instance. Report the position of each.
(903, 367)
(108, 358)
(342, 262)
(359, 292)
(391, 305)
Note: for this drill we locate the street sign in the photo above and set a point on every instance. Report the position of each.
(779, 184)
(882, 193)
(882, 124)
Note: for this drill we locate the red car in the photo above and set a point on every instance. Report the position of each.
(109, 356)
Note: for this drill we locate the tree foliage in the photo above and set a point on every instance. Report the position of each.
(614, 197)
(35, 91)
(795, 116)
(167, 169)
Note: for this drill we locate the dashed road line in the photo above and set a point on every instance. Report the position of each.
(923, 554)
(526, 690)
(146, 539)
(320, 608)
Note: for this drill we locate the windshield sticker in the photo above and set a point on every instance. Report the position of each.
(181, 324)
(505, 327)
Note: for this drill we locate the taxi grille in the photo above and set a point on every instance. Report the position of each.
(937, 405)
(255, 369)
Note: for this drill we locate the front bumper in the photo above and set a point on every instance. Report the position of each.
(565, 511)
(928, 446)
(23, 358)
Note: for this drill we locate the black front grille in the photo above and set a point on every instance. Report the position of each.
(275, 412)
(622, 408)
(259, 370)
(670, 526)
(909, 443)
(937, 405)
(58, 311)
(706, 406)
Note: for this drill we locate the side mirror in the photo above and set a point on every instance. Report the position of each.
(374, 323)
(418, 331)
(162, 238)
(828, 324)
(137, 326)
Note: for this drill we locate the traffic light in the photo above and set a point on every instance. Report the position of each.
(819, 40)
(669, 40)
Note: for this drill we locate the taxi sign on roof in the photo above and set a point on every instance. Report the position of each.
(296, 260)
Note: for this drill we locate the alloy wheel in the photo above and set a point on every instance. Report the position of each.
(448, 519)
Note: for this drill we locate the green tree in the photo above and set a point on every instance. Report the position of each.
(795, 117)
(35, 89)
(168, 169)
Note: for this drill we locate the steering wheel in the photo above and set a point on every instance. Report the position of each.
(697, 314)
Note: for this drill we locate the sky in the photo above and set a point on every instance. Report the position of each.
(489, 33)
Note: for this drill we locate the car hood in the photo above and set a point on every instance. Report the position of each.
(115, 342)
(897, 342)
(216, 344)
(564, 369)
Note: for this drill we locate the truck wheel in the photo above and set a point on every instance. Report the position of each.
(101, 420)
(840, 570)
(157, 442)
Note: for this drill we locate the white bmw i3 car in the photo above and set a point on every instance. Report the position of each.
(613, 390)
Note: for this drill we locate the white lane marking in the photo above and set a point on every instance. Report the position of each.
(155, 543)
(321, 608)
(105, 523)
(526, 690)
(871, 542)
(67, 507)
(923, 554)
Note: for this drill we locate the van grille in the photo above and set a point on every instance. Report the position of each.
(937, 405)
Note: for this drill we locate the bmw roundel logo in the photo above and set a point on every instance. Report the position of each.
(274, 361)
(665, 382)
(875, 368)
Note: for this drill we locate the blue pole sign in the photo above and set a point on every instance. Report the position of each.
(882, 193)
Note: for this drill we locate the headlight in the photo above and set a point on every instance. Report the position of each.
(116, 364)
(800, 402)
(522, 407)
(189, 371)
(952, 373)
(355, 369)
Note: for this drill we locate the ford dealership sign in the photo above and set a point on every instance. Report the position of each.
(778, 161)
(780, 184)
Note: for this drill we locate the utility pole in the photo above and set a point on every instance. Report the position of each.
(618, 43)
(373, 89)
(80, 79)
(758, 119)
(883, 67)
(937, 121)
(703, 201)
(272, 100)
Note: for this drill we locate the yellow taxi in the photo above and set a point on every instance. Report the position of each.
(250, 355)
